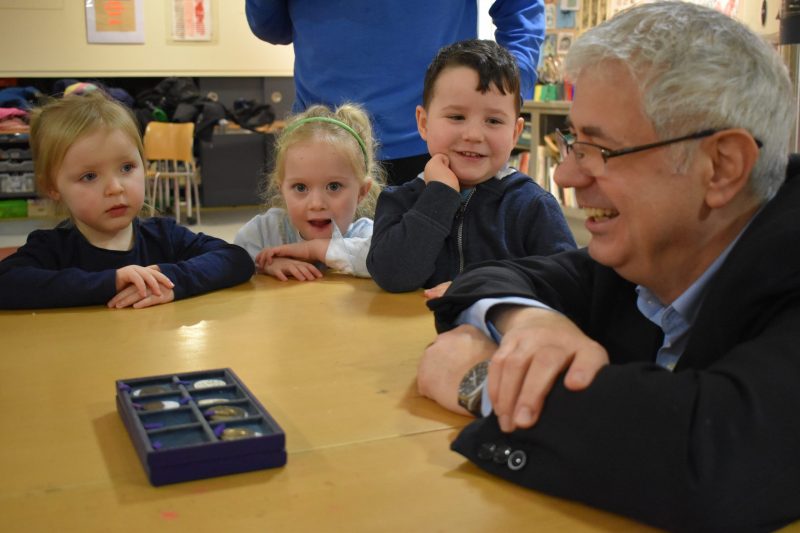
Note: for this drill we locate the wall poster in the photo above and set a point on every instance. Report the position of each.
(191, 20)
(115, 21)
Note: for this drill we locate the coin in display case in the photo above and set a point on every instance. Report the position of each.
(211, 401)
(163, 405)
(152, 389)
(209, 383)
(238, 433)
(225, 412)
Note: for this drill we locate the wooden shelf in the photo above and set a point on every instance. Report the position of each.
(559, 107)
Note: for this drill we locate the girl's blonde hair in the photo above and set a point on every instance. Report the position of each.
(59, 123)
(364, 164)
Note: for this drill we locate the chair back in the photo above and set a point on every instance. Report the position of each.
(169, 141)
(170, 163)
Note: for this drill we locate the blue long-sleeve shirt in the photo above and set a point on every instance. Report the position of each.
(376, 53)
(60, 268)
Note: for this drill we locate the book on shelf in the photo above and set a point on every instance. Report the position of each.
(549, 92)
(521, 161)
(541, 166)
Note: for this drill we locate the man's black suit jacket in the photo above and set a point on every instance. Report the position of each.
(714, 445)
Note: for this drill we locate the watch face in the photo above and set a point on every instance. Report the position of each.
(474, 379)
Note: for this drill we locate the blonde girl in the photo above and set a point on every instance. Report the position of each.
(320, 197)
(88, 157)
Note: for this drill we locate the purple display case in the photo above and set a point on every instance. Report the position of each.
(197, 425)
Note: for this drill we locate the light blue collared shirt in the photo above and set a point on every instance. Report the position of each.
(676, 320)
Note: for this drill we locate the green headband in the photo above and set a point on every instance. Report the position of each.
(339, 123)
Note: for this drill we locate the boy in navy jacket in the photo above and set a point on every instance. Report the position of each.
(469, 205)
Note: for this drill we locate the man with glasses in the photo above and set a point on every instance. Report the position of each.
(655, 373)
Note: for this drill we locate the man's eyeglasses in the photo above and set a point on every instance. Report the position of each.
(593, 157)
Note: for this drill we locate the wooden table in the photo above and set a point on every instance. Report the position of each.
(334, 362)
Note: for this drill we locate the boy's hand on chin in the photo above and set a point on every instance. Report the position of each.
(438, 169)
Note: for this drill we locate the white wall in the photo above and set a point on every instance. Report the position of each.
(47, 38)
(750, 14)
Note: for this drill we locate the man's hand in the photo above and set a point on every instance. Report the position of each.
(438, 169)
(284, 267)
(313, 250)
(141, 287)
(447, 359)
(437, 291)
(537, 346)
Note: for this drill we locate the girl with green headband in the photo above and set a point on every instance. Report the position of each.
(320, 197)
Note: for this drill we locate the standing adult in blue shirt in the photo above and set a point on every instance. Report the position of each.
(376, 53)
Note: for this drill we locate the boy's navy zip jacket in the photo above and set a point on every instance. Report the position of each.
(426, 234)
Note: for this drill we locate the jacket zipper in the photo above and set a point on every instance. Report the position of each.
(459, 237)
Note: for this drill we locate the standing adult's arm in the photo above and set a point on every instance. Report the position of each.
(520, 28)
(269, 20)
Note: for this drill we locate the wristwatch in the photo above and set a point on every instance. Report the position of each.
(470, 390)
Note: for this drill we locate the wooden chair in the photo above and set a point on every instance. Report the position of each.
(170, 164)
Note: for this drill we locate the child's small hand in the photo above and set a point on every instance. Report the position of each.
(142, 295)
(130, 297)
(264, 258)
(313, 250)
(142, 278)
(438, 169)
(437, 291)
(282, 267)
